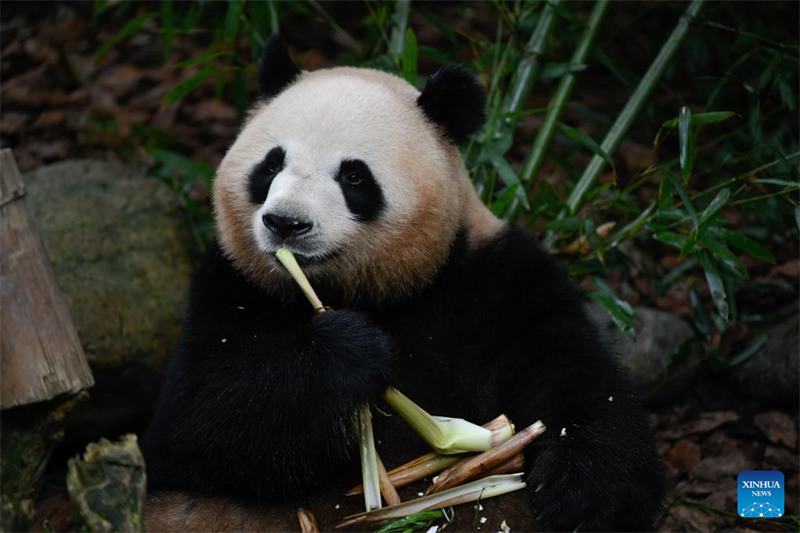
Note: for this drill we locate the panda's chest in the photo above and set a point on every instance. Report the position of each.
(444, 357)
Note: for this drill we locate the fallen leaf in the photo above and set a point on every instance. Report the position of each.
(123, 80)
(729, 464)
(706, 423)
(724, 496)
(12, 122)
(695, 488)
(790, 269)
(781, 458)
(683, 456)
(692, 518)
(778, 427)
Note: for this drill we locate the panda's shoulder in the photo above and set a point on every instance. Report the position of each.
(516, 271)
(515, 254)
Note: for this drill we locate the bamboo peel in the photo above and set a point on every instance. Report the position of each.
(432, 463)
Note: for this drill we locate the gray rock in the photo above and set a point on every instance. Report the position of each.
(662, 360)
(772, 375)
(121, 248)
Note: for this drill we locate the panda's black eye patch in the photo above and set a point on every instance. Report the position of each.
(362, 193)
(263, 173)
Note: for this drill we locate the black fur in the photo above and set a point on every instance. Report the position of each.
(261, 176)
(362, 193)
(276, 70)
(258, 397)
(454, 100)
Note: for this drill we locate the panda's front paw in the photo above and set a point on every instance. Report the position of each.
(579, 486)
(355, 355)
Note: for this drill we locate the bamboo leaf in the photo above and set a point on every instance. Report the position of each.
(686, 142)
(701, 119)
(622, 313)
(748, 352)
(204, 58)
(664, 195)
(232, 18)
(716, 205)
(787, 95)
(168, 26)
(726, 257)
(715, 284)
(671, 238)
(747, 245)
(410, 55)
(185, 87)
(687, 203)
(506, 173)
(133, 26)
(415, 522)
(632, 227)
(587, 142)
(505, 199)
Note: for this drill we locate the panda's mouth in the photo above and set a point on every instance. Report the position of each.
(313, 260)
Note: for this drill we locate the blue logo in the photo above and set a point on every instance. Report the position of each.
(760, 494)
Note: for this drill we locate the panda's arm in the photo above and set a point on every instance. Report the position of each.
(595, 468)
(259, 396)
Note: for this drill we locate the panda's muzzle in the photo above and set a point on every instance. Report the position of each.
(286, 227)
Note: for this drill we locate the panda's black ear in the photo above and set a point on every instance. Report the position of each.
(454, 100)
(276, 70)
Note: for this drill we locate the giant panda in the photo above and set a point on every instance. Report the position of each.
(359, 174)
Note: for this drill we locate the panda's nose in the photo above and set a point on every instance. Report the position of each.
(285, 227)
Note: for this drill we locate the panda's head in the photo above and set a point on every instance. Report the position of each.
(356, 172)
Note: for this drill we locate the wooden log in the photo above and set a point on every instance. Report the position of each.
(41, 356)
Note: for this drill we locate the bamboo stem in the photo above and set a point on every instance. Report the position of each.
(528, 68)
(535, 156)
(366, 439)
(399, 25)
(635, 103)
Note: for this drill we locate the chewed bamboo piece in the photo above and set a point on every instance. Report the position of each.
(482, 489)
(445, 435)
(367, 452)
(469, 468)
(432, 463)
(308, 524)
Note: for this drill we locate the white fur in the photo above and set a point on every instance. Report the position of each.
(326, 117)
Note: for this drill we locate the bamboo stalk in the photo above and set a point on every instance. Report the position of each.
(366, 439)
(536, 154)
(445, 435)
(528, 68)
(370, 471)
(634, 104)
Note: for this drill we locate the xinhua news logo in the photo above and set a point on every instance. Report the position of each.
(760, 494)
